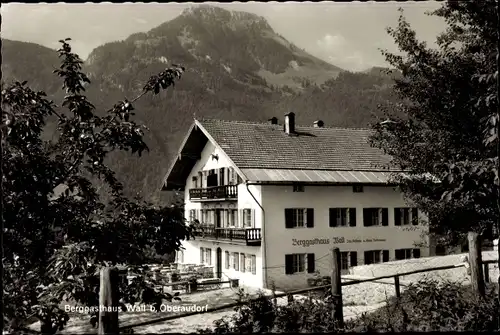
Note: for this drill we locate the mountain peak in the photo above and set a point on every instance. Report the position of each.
(210, 13)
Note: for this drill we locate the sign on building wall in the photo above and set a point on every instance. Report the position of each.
(334, 240)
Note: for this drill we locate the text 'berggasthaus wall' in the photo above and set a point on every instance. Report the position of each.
(334, 240)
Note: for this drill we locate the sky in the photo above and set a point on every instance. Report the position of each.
(348, 35)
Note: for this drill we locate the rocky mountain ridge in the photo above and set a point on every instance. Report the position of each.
(238, 68)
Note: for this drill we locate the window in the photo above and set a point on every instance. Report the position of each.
(357, 188)
(253, 264)
(212, 178)
(195, 182)
(207, 216)
(247, 217)
(299, 263)
(348, 259)
(342, 217)
(231, 218)
(401, 216)
(209, 256)
(344, 260)
(248, 263)
(210, 216)
(231, 260)
(206, 256)
(236, 259)
(192, 215)
(402, 254)
(242, 262)
(232, 176)
(222, 176)
(405, 216)
(299, 217)
(298, 188)
(227, 260)
(376, 256)
(375, 217)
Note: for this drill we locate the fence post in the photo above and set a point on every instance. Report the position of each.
(108, 301)
(397, 287)
(336, 280)
(486, 272)
(475, 261)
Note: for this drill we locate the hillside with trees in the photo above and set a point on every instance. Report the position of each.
(237, 68)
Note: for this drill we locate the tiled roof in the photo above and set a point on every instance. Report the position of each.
(267, 146)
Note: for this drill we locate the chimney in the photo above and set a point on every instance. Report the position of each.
(290, 123)
(319, 124)
(274, 120)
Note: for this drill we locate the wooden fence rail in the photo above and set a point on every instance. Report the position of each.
(295, 292)
(479, 271)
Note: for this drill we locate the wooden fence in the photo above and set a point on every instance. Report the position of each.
(479, 273)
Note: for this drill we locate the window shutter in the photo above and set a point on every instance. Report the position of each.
(288, 218)
(385, 255)
(414, 216)
(310, 217)
(288, 264)
(227, 259)
(398, 253)
(242, 262)
(352, 217)
(367, 217)
(416, 253)
(385, 216)
(252, 214)
(241, 218)
(354, 258)
(310, 263)
(397, 216)
(254, 264)
(209, 256)
(333, 217)
(227, 215)
(236, 261)
(201, 256)
(368, 257)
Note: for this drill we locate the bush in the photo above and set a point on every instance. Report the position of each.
(263, 315)
(434, 306)
(423, 306)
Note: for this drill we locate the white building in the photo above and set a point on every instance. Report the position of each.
(273, 200)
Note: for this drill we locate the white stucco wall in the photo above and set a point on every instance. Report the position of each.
(192, 256)
(245, 200)
(279, 239)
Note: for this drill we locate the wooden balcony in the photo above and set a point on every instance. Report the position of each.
(248, 236)
(226, 192)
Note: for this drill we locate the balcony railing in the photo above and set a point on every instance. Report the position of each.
(252, 236)
(214, 192)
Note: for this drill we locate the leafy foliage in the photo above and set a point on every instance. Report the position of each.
(423, 306)
(263, 315)
(433, 306)
(60, 225)
(447, 95)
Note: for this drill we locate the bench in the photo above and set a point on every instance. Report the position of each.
(210, 282)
